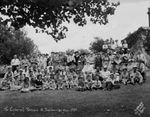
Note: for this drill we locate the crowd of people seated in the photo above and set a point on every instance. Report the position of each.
(88, 71)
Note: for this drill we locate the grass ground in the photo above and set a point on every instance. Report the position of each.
(69, 103)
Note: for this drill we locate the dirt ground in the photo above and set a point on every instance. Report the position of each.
(70, 103)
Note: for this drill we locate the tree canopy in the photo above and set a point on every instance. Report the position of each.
(47, 16)
(14, 42)
(97, 45)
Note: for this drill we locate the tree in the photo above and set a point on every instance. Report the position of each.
(146, 43)
(70, 51)
(96, 46)
(14, 42)
(47, 16)
(83, 51)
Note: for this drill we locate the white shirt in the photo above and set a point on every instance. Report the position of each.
(15, 62)
(105, 46)
(70, 58)
(105, 74)
(141, 57)
(125, 45)
(113, 46)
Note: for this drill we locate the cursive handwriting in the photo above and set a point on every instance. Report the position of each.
(28, 109)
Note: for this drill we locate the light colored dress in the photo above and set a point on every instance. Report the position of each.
(89, 67)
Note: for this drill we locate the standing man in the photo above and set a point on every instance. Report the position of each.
(98, 61)
(76, 58)
(15, 62)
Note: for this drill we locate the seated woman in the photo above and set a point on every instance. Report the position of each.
(26, 86)
(97, 83)
(18, 80)
(8, 79)
(39, 82)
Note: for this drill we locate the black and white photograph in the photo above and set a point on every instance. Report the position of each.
(74, 58)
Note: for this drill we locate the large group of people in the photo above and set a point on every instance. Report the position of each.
(105, 70)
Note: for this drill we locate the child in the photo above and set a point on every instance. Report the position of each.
(51, 72)
(70, 81)
(52, 85)
(32, 78)
(75, 79)
(58, 79)
(97, 83)
(89, 82)
(81, 83)
(26, 71)
(39, 82)
(125, 76)
(16, 72)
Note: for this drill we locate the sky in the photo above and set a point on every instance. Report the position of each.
(129, 16)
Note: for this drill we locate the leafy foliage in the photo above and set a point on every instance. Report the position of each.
(47, 16)
(14, 42)
(83, 51)
(146, 43)
(97, 45)
(70, 51)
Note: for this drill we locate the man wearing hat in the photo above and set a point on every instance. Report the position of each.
(98, 61)
(136, 76)
(76, 58)
(124, 77)
(105, 73)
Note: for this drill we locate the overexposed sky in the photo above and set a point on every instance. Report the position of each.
(129, 16)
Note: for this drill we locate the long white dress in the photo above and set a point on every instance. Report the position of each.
(89, 67)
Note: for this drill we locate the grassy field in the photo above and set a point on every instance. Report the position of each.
(69, 103)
